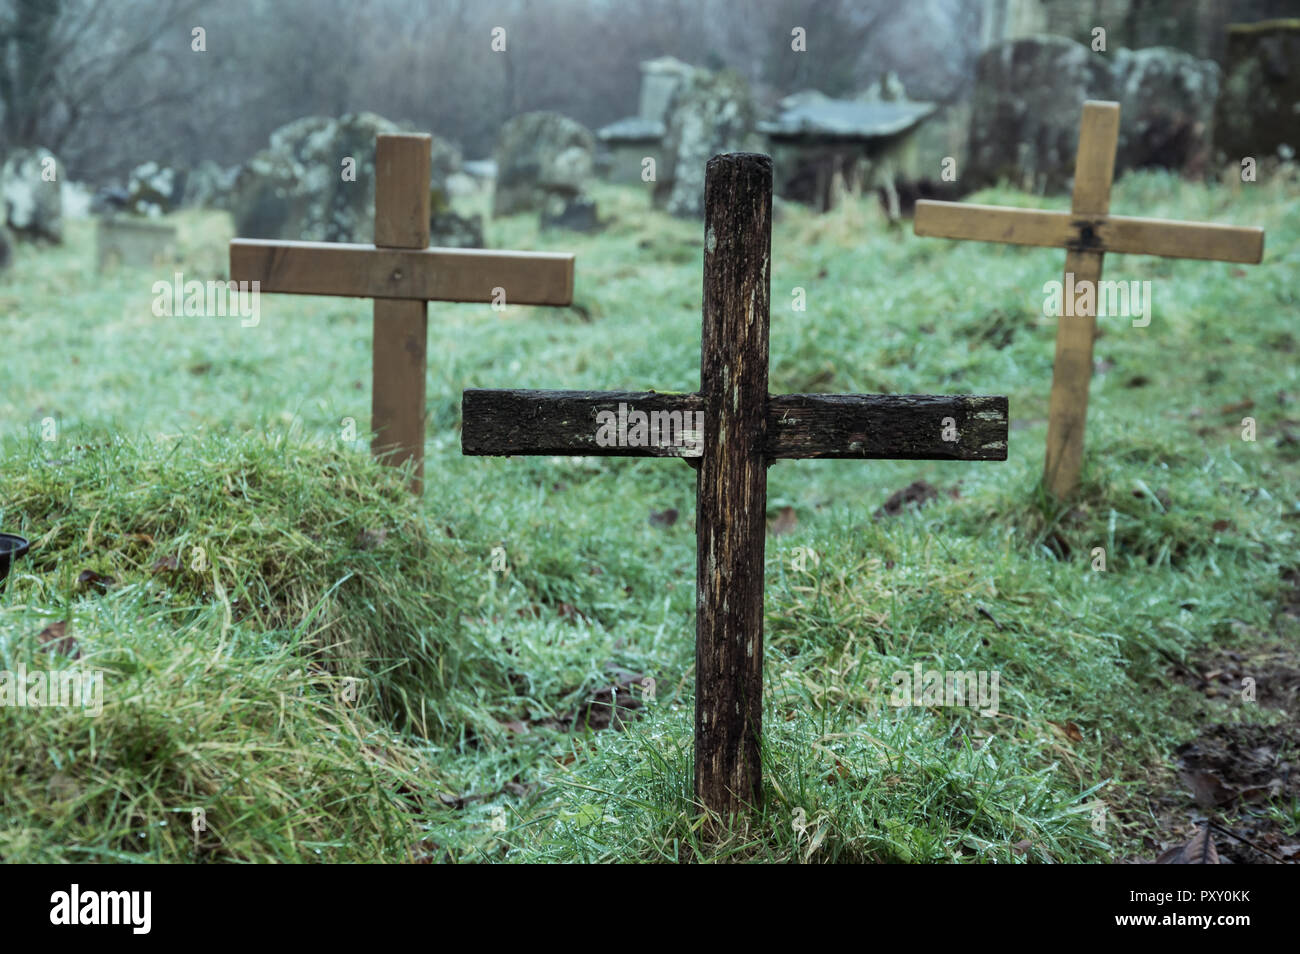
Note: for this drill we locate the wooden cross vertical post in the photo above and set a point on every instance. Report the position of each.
(731, 431)
(402, 273)
(1087, 232)
(731, 488)
(401, 326)
(1067, 407)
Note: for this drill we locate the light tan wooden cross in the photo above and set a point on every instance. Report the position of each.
(1087, 232)
(402, 273)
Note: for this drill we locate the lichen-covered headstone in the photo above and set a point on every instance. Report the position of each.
(1167, 97)
(577, 214)
(710, 113)
(1024, 112)
(539, 156)
(316, 181)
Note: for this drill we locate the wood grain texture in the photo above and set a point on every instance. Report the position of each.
(1094, 160)
(731, 485)
(398, 385)
(799, 426)
(1113, 233)
(1067, 406)
(403, 168)
(401, 328)
(422, 274)
(509, 422)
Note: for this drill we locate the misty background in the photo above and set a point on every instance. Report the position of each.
(106, 84)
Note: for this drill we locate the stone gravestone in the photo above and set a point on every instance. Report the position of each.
(541, 156)
(32, 198)
(630, 141)
(575, 215)
(1019, 133)
(1168, 98)
(134, 242)
(1259, 112)
(709, 113)
(296, 189)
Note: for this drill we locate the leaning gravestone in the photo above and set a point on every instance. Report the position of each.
(32, 194)
(540, 156)
(1259, 111)
(1168, 98)
(1020, 133)
(709, 113)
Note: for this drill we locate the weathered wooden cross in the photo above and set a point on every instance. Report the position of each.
(1087, 232)
(402, 273)
(731, 430)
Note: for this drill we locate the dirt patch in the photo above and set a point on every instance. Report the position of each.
(1238, 779)
(916, 494)
(1271, 673)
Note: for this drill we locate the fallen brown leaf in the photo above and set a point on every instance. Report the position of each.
(784, 522)
(663, 518)
(919, 492)
(1070, 730)
(1208, 789)
(1198, 851)
(89, 578)
(55, 637)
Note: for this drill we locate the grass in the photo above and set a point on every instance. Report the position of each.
(329, 670)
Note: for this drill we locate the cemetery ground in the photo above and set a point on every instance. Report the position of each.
(302, 662)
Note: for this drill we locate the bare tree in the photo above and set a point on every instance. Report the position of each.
(64, 63)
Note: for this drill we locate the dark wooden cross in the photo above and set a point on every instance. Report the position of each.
(1088, 231)
(402, 273)
(731, 430)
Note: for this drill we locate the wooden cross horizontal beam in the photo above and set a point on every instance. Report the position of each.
(1114, 233)
(419, 274)
(509, 422)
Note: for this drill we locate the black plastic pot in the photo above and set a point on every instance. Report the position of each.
(12, 547)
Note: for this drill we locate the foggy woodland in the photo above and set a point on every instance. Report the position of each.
(103, 83)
